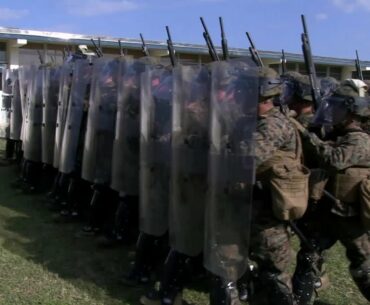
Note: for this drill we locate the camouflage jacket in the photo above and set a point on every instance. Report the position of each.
(308, 151)
(274, 132)
(350, 150)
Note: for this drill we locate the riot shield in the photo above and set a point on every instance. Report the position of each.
(98, 147)
(32, 137)
(155, 139)
(126, 146)
(78, 103)
(191, 99)
(7, 96)
(233, 115)
(49, 112)
(25, 77)
(63, 96)
(16, 110)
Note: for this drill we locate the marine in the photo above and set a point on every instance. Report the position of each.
(347, 165)
(275, 143)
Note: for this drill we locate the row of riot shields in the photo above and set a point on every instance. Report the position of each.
(196, 160)
(180, 137)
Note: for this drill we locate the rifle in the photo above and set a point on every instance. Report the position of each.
(143, 46)
(170, 48)
(358, 67)
(225, 49)
(98, 51)
(254, 53)
(40, 57)
(283, 63)
(120, 48)
(211, 48)
(310, 67)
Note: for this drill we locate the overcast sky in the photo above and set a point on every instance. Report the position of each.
(337, 27)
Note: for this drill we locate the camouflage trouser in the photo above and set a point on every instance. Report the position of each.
(271, 250)
(352, 235)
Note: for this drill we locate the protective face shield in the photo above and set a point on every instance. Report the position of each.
(328, 85)
(335, 109)
(288, 91)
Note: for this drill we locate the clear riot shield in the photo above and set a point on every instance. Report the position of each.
(155, 148)
(65, 80)
(126, 146)
(78, 103)
(16, 109)
(7, 96)
(233, 115)
(32, 137)
(25, 77)
(191, 99)
(98, 147)
(50, 92)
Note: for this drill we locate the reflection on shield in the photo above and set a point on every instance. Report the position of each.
(155, 141)
(49, 116)
(125, 158)
(24, 74)
(33, 119)
(63, 97)
(98, 147)
(5, 109)
(16, 110)
(72, 135)
(190, 145)
(233, 116)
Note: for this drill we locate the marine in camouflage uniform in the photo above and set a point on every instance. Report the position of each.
(297, 95)
(270, 245)
(342, 220)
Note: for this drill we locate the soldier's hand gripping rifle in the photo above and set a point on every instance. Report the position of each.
(283, 63)
(170, 48)
(211, 48)
(144, 48)
(358, 67)
(254, 53)
(225, 49)
(310, 67)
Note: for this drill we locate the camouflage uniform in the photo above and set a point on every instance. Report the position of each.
(342, 220)
(270, 246)
(350, 150)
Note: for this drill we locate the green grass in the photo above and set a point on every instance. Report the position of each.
(42, 262)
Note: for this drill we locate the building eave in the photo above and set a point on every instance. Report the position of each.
(34, 36)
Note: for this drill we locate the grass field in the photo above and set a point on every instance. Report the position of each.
(42, 262)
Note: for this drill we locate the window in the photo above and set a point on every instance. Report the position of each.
(28, 57)
(336, 72)
(3, 56)
(321, 70)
